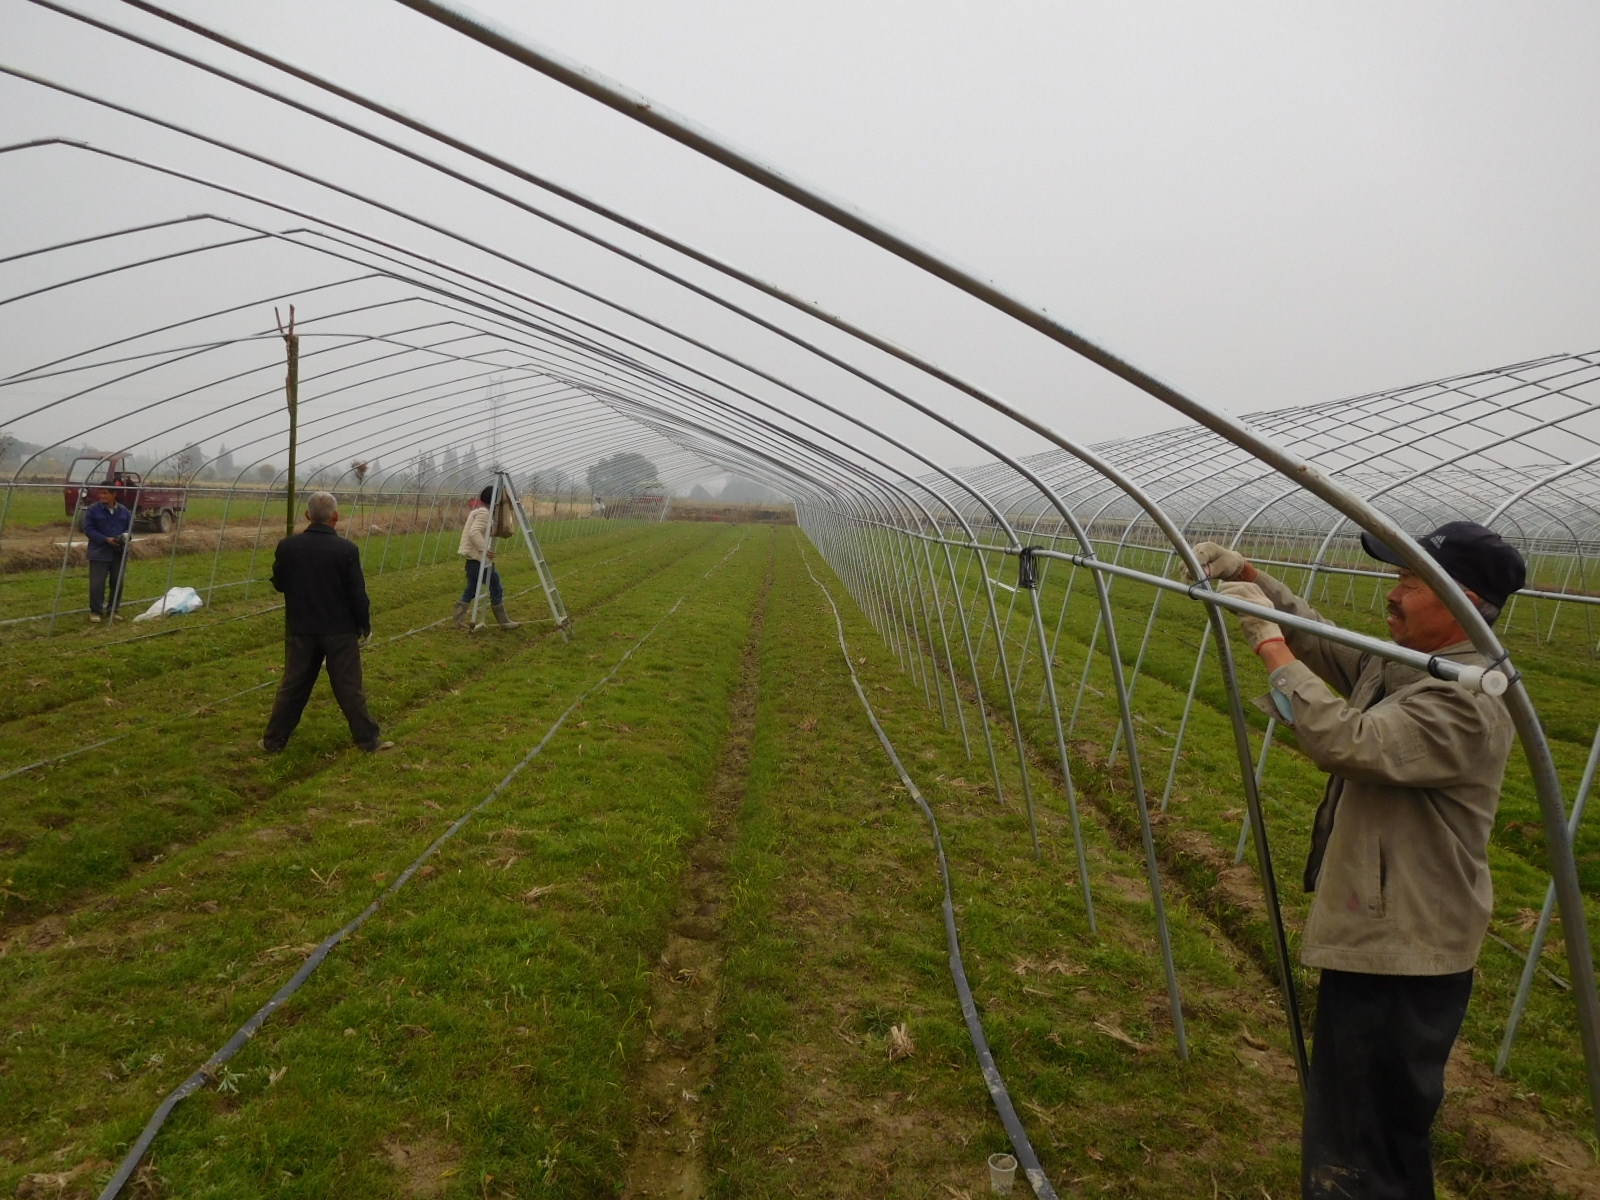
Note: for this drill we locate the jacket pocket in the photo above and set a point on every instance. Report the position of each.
(1377, 903)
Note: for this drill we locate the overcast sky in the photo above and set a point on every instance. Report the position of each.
(1264, 204)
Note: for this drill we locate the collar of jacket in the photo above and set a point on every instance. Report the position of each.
(1455, 651)
(1397, 675)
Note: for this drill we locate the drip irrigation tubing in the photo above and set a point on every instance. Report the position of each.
(130, 601)
(45, 762)
(1020, 1145)
(113, 643)
(205, 1074)
(1561, 983)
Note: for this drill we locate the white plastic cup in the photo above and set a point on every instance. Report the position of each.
(1002, 1173)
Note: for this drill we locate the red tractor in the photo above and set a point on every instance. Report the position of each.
(154, 508)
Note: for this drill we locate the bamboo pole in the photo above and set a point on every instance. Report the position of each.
(291, 392)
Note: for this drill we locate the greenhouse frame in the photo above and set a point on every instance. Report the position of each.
(1052, 588)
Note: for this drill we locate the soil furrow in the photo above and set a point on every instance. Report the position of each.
(668, 1158)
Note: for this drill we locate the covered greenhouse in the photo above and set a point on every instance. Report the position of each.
(861, 797)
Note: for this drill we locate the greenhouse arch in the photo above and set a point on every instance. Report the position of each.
(1035, 592)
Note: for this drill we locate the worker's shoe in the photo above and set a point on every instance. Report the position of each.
(505, 621)
(459, 617)
(94, 618)
(269, 749)
(378, 747)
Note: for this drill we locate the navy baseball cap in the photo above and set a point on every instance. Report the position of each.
(1476, 557)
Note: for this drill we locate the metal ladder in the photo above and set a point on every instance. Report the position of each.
(558, 610)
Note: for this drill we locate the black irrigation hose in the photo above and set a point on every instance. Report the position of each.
(1020, 1145)
(206, 1073)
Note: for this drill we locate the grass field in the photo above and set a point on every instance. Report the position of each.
(1201, 828)
(673, 949)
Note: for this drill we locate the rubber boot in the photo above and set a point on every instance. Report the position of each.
(459, 617)
(505, 621)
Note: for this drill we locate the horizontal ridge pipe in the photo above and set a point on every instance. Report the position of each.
(1490, 679)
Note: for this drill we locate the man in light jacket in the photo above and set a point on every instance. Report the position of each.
(478, 550)
(106, 524)
(1399, 854)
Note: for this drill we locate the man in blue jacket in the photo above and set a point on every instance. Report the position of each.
(326, 617)
(106, 524)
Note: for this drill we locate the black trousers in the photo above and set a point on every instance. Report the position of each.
(99, 572)
(303, 657)
(1377, 1079)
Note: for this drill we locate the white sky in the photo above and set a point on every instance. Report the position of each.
(1264, 204)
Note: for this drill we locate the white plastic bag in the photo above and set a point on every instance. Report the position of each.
(177, 600)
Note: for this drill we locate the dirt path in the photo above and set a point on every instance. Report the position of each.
(680, 1053)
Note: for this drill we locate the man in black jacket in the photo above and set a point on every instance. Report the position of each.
(326, 617)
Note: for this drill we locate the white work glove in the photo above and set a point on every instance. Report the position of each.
(1218, 562)
(1257, 629)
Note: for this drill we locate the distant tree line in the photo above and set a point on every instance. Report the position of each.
(623, 474)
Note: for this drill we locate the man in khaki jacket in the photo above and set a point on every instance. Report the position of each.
(478, 551)
(1399, 854)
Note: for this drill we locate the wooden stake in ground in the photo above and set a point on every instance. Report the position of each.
(291, 393)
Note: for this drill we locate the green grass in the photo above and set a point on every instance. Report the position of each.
(201, 936)
(1201, 829)
(174, 782)
(486, 1033)
(836, 933)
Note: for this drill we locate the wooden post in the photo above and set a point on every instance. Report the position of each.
(291, 391)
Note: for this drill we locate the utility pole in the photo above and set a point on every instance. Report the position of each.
(291, 392)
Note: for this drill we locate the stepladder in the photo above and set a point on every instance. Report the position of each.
(505, 502)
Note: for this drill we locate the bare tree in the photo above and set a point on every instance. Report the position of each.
(422, 470)
(185, 461)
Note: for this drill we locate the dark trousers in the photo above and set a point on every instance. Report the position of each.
(1377, 1078)
(496, 592)
(99, 572)
(303, 657)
